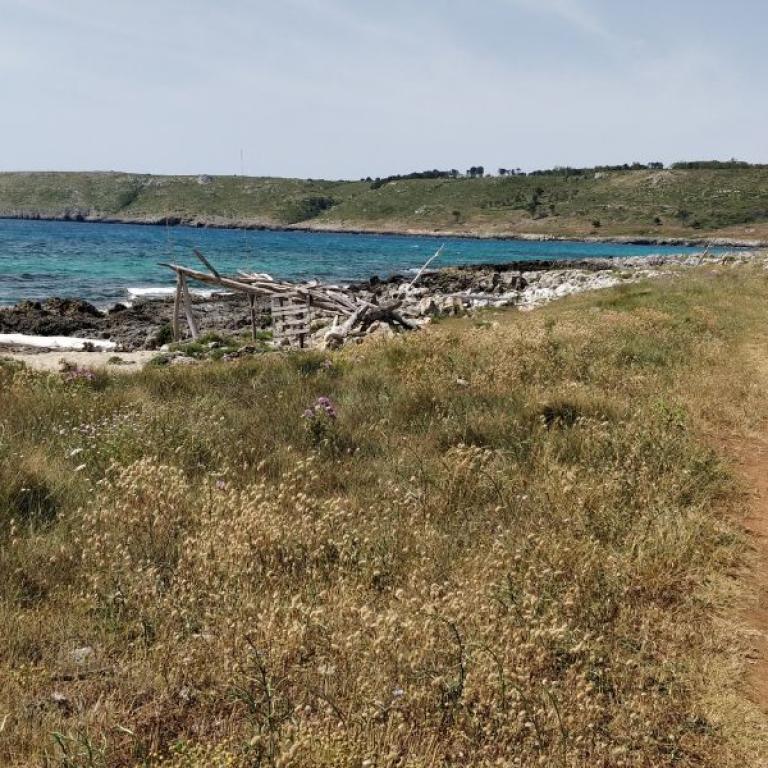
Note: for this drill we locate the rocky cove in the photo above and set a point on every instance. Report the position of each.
(400, 302)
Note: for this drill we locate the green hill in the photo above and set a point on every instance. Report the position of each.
(687, 203)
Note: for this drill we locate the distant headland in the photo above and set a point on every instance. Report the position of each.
(685, 203)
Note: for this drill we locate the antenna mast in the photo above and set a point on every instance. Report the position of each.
(242, 175)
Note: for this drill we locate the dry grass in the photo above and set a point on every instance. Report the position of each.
(504, 550)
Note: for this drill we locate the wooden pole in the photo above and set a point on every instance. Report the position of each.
(339, 333)
(206, 262)
(176, 308)
(188, 309)
(308, 316)
(252, 302)
(428, 262)
(320, 300)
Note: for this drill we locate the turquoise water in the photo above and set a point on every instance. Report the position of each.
(104, 263)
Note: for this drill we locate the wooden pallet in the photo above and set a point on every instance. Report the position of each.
(291, 319)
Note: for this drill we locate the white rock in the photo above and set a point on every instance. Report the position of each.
(82, 655)
(182, 360)
(427, 306)
(450, 305)
(60, 700)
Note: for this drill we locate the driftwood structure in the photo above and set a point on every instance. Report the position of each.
(292, 305)
(291, 320)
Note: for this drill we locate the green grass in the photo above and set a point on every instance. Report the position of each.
(223, 199)
(684, 203)
(508, 548)
(625, 202)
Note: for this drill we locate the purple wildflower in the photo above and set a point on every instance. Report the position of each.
(322, 406)
(79, 374)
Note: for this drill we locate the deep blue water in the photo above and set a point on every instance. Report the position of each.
(104, 263)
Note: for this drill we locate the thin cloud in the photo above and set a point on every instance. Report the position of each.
(348, 88)
(575, 14)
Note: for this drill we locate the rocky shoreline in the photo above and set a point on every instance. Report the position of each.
(145, 324)
(207, 222)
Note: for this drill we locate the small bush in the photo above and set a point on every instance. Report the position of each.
(163, 335)
(562, 414)
(27, 496)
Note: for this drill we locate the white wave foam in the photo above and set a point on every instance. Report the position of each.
(53, 342)
(158, 291)
(154, 290)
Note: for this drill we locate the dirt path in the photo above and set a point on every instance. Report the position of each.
(752, 458)
(749, 452)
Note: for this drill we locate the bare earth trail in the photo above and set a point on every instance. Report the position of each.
(753, 465)
(750, 456)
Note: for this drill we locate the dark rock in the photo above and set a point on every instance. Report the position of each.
(54, 317)
(146, 324)
(70, 307)
(61, 701)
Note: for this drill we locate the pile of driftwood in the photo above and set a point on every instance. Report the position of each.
(293, 306)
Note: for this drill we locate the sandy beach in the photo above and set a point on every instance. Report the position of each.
(124, 362)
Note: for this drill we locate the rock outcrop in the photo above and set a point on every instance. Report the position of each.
(394, 305)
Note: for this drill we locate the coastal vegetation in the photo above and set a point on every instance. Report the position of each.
(688, 200)
(509, 539)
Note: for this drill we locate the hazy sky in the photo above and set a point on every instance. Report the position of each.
(350, 88)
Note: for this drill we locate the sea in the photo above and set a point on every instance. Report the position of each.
(109, 263)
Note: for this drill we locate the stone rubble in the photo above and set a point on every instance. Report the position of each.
(397, 303)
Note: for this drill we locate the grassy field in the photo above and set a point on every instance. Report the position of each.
(506, 540)
(649, 203)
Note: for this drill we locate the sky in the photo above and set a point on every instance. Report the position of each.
(355, 88)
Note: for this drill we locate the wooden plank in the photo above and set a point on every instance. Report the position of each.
(188, 309)
(342, 299)
(289, 311)
(291, 323)
(206, 262)
(260, 277)
(338, 334)
(176, 308)
(286, 304)
(303, 327)
(291, 318)
(254, 330)
(319, 298)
